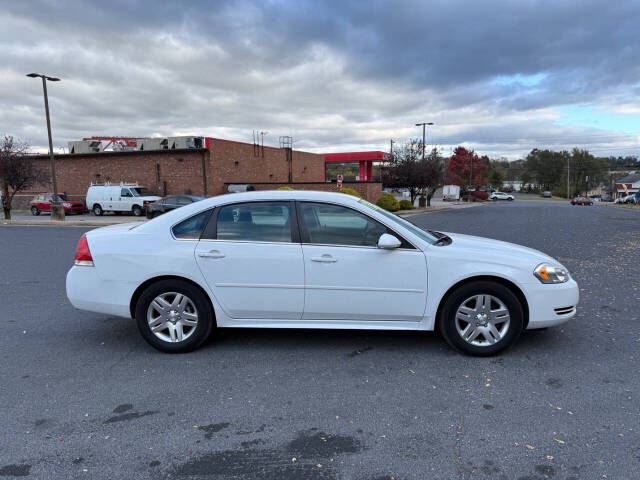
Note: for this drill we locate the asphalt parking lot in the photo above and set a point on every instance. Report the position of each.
(82, 395)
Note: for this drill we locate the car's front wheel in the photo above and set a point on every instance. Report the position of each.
(35, 210)
(97, 210)
(136, 210)
(481, 318)
(174, 316)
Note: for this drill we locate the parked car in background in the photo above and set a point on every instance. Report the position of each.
(42, 203)
(169, 203)
(125, 197)
(501, 196)
(546, 194)
(305, 259)
(579, 200)
(632, 198)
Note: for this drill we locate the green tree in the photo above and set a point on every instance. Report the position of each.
(547, 167)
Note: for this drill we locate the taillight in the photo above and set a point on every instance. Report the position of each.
(83, 254)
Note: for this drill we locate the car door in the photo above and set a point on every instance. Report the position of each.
(347, 277)
(251, 257)
(125, 202)
(45, 204)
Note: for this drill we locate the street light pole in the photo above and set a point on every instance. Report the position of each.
(424, 125)
(57, 210)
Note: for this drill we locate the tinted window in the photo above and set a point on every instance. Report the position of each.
(183, 201)
(336, 225)
(256, 222)
(169, 201)
(191, 228)
(125, 192)
(141, 192)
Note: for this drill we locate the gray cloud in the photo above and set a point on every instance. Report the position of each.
(334, 75)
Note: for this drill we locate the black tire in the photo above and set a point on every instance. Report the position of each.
(510, 199)
(35, 211)
(136, 210)
(447, 323)
(97, 210)
(206, 320)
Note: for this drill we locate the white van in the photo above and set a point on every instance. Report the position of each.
(125, 197)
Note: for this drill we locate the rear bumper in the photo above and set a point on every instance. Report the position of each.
(551, 305)
(87, 291)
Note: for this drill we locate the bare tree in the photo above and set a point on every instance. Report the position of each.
(17, 171)
(409, 170)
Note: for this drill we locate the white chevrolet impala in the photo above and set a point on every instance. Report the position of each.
(296, 259)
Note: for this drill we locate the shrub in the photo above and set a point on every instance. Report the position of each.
(285, 188)
(479, 195)
(349, 191)
(388, 202)
(406, 205)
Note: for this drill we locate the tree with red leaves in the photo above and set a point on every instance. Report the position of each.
(466, 169)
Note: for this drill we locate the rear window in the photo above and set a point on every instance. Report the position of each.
(192, 227)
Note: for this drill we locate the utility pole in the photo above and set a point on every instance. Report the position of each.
(423, 125)
(391, 147)
(568, 195)
(262, 134)
(57, 210)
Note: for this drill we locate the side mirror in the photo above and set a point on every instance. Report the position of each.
(388, 242)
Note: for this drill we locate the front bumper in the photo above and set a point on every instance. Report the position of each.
(550, 305)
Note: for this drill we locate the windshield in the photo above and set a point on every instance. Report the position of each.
(141, 192)
(418, 232)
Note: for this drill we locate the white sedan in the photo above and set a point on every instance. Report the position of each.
(501, 196)
(296, 259)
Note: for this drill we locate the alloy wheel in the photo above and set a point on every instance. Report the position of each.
(482, 320)
(172, 317)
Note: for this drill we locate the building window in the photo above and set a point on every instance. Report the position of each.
(349, 170)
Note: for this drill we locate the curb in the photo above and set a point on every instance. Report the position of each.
(24, 223)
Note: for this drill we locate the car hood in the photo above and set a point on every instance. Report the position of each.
(149, 198)
(503, 252)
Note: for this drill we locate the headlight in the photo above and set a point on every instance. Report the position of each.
(66, 204)
(551, 274)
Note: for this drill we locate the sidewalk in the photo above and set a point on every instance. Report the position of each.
(26, 219)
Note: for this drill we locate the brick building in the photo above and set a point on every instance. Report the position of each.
(206, 171)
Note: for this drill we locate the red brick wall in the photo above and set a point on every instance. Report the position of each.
(179, 171)
(236, 162)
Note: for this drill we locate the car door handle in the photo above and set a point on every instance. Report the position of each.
(211, 254)
(326, 258)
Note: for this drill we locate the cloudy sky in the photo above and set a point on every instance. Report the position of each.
(502, 77)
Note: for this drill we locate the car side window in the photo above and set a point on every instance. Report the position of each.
(125, 192)
(328, 224)
(181, 201)
(255, 222)
(192, 227)
(169, 201)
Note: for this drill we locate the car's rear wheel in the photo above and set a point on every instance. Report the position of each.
(35, 210)
(137, 210)
(174, 316)
(481, 318)
(97, 210)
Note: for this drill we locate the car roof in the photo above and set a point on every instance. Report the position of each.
(264, 195)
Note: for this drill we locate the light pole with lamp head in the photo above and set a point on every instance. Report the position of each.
(423, 125)
(57, 210)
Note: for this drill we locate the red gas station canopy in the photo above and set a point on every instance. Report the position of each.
(373, 156)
